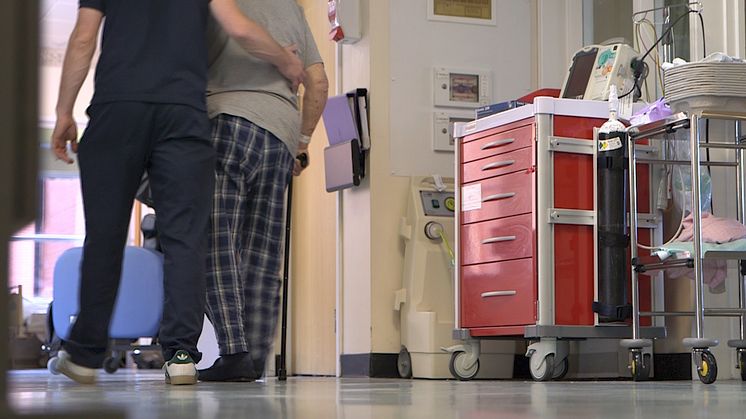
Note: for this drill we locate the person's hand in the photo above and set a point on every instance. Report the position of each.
(65, 130)
(293, 68)
(302, 160)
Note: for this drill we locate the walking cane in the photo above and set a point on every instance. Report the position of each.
(282, 373)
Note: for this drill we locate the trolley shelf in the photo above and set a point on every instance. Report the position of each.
(610, 331)
(731, 250)
(620, 331)
(663, 126)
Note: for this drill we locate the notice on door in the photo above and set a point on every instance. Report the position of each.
(472, 9)
(471, 197)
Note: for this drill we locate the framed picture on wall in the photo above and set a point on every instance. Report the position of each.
(475, 12)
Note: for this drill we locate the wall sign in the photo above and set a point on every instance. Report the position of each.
(479, 12)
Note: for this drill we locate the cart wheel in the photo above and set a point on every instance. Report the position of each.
(52, 365)
(708, 371)
(459, 369)
(542, 369)
(404, 363)
(561, 370)
(742, 363)
(640, 366)
(111, 364)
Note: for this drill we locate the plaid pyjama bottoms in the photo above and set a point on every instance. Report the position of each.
(246, 237)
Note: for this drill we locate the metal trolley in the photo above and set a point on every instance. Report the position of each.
(699, 344)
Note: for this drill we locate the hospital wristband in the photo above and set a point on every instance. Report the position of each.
(305, 139)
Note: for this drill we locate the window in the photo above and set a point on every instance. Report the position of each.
(59, 225)
(607, 19)
(679, 41)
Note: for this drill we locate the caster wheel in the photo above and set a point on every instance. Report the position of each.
(52, 365)
(459, 369)
(708, 371)
(542, 369)
(640, 366)
(404, 363)
(560, 370)
(742, 364)
(111, 365)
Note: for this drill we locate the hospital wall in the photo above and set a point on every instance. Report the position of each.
(400, 62)
(550, 31)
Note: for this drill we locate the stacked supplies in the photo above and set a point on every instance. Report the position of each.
(715, 84)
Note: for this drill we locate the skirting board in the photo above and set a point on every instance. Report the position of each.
(677, 366)
(374, 365)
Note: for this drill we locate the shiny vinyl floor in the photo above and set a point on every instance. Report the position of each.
(144, 395)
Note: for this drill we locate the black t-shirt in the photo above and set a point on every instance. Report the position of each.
(152, 51)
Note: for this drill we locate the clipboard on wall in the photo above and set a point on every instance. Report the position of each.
(347, 128)
(358, 102)
(342, 166)
(346, 118)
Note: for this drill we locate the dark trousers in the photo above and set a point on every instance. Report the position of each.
(171, 142)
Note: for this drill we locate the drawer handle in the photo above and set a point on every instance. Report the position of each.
(498, 143)
(498, 239)
(498, 164)
(498, 196)
(499, 293)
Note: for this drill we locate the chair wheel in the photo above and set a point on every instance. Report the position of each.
(52, 365)
(111, 364)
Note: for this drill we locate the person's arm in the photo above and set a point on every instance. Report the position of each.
(316, 92)
(75, 68)
(256, 41)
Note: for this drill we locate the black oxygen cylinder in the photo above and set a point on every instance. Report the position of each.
(613, 239)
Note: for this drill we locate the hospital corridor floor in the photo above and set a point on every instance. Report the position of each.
(142, 394)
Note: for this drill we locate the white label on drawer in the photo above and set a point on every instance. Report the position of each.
(471, 197)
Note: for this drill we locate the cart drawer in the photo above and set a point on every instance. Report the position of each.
(498, 294)
(497, 197)
(497, 144)
(498, 165)
(492, 241)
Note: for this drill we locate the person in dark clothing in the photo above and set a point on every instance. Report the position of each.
(147, 113)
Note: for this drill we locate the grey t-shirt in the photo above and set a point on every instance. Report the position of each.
(242, 85)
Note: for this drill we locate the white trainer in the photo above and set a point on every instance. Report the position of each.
(75, 372)
(180, 369)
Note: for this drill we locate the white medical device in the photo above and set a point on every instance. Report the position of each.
(461, 88)
(443, 139)
(596, 67)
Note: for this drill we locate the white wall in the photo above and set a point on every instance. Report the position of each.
(559, 34)
(418, 44)
(356, 214)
